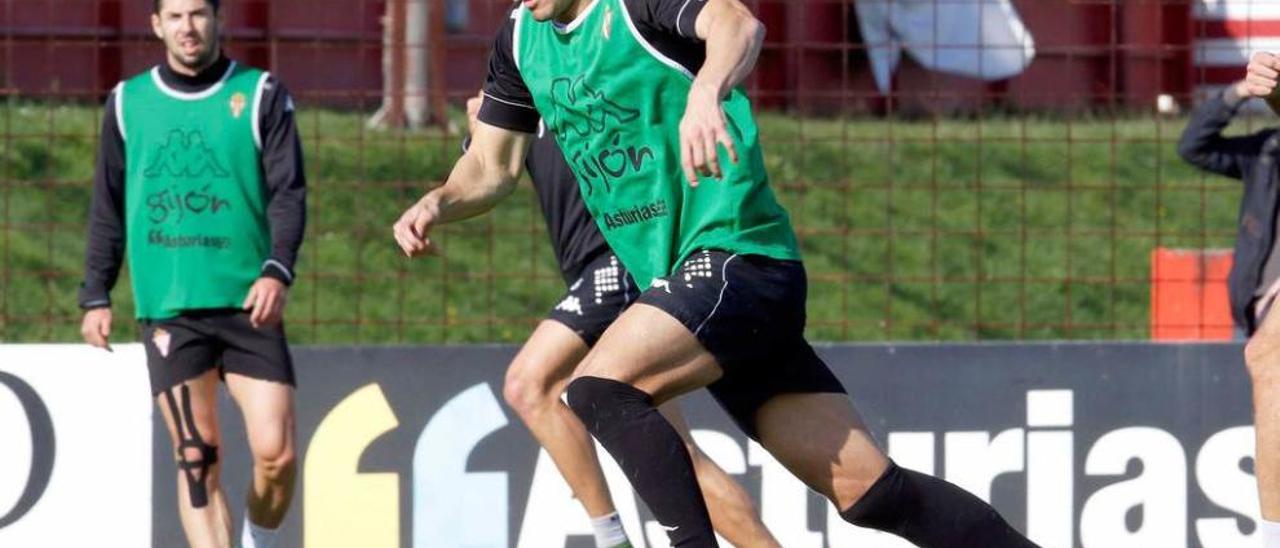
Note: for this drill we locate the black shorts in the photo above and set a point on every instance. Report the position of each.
(599, 296)
(749, 312)
(182, 348)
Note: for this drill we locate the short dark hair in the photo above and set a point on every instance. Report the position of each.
(217, 4)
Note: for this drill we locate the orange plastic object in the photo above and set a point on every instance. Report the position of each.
(1189, 295)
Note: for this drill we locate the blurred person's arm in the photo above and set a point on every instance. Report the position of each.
(487, 172)
(481, 178)
(104, 250)
(1203, 145)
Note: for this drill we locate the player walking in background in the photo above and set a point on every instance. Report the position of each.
(641, 94)
(599, 290)
(199, 178)
(1255, 274)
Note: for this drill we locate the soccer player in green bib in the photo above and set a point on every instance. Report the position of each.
(643, 98)
(598, 290)
(199, 182)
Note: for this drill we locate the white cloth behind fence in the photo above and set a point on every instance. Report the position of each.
(979, 38)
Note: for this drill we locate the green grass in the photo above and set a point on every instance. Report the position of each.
(947, 229)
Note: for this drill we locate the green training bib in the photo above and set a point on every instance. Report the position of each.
(195, 204)
(615, 104)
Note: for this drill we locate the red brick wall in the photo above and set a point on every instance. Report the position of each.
(1089, 54)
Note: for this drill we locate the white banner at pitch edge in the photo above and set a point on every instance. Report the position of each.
(1225, 10)
(1227, 33)
(75, 433)
(978, 38)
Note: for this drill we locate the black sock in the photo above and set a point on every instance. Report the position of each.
(931, 513)
(650, 452)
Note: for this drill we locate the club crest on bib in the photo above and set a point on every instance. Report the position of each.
(238, 103)
(161, 339)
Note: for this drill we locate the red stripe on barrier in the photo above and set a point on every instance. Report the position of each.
(1237, 28)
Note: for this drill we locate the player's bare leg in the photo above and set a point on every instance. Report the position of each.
(535, 380)
(647, 356)
(534, 383)
(1262, 358)
(269, 422)
(650, 350)
(733, 515)
(825, 445)
(821, 439)
(190, 412)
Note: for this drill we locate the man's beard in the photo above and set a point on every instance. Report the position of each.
(202, 61)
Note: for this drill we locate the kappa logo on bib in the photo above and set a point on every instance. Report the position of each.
(185, 155)
(161, 339)
(586, 114)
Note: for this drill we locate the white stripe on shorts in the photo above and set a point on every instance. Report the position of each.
(724, 275)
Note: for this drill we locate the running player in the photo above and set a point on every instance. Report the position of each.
(599, 290)
(641, 94)
(199, 178)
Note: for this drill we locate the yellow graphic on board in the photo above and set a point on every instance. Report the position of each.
(346, 508)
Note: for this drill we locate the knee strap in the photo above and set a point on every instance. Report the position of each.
(195, 470)
(606, 406)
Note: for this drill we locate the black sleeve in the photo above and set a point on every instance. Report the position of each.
(286, 181)
(507, 102)
(104, 252)
(1203, 145)
(677, 17)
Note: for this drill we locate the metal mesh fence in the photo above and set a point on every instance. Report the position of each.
(933, 200)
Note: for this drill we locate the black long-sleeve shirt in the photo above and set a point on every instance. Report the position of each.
(282, 169)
